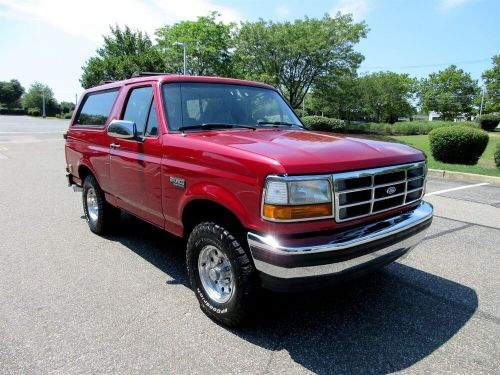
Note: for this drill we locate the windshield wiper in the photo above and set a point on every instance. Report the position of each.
(278, 123)
(215, 125)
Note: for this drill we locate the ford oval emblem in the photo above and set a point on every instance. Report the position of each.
(391, 190)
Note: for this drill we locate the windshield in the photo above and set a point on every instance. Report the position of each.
(190, 104)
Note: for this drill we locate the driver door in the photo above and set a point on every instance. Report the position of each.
(135, 164)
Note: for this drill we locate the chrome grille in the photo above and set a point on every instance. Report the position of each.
(370, 191)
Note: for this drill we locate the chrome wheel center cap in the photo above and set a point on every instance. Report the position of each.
(214, 275)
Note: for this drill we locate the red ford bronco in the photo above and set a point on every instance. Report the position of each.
(260, 200)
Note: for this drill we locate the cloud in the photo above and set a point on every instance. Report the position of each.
(358, 8)
(449, 4)
(91, 19)
(282, 10)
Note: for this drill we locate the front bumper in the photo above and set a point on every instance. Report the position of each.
(311, 261)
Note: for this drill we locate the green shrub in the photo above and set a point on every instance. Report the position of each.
(497, 156)
(12, 111)
(325, 124)
(489, 122)
(34, 112)
(64, 116)
(458, 144)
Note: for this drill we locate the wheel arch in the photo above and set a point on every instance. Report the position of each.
(202, 209)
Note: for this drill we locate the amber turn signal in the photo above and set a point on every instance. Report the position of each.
(307, 211)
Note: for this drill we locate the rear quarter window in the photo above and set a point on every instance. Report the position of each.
(96, 108)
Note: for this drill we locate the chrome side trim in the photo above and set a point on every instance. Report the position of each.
(353, 237)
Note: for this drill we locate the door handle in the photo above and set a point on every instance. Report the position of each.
(114, 146)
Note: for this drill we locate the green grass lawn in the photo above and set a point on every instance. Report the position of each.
(486, 164)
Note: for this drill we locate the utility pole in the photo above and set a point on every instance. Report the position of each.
(482, 102)
(76, 99)
(184, 45)
(43, 103)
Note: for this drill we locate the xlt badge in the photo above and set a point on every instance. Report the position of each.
(177, 181)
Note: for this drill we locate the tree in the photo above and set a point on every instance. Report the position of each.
(385, 96)
(33, 99)
(208, 43)
(123, 53)
(66, 107)
(491, 79)
(10, 93)
(450, 92)
(337, 96)
(294, 56)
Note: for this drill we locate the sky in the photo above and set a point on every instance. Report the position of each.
(50, 40)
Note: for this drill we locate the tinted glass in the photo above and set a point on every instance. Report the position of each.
(96, 108)
(152, 126)
(172, 96)
(137, 108)
(204, 103)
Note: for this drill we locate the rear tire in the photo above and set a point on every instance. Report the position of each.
(100, 215)
(222, 274)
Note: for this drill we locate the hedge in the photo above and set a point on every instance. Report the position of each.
(12, 111)
(65, 116)
(34, 112)
(325, 124)
(497, 156)
(458, 144)
(489, 122)
(405, 128)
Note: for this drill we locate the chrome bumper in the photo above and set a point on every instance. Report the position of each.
(340, 253)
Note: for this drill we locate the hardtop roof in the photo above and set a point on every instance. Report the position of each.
(176, 78)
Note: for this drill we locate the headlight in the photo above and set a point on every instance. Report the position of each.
(288, 199)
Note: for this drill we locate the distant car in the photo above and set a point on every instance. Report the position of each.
(262, 201)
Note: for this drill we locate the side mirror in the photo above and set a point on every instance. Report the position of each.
(122, 129)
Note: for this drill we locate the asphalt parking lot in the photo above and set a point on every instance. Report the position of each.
(73, 302)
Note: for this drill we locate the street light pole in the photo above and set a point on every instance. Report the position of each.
(43, 103)
(185, 54)
(482, 102)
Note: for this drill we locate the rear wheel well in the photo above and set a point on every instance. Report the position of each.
(198, 211)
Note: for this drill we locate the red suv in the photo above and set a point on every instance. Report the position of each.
(261, 200)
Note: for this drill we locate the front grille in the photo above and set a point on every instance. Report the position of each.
(370, 191)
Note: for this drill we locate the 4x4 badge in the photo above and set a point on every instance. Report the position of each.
(391, 190)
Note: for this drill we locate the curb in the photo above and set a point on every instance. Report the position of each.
(471, 177)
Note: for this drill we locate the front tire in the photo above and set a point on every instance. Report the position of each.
(100, 215)
(221, 273)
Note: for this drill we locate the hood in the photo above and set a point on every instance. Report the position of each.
(306, 152)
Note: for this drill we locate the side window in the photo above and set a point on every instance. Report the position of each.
(96, 108)
(152, 125)
(137, 108)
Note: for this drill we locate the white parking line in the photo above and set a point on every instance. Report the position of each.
(457, 188)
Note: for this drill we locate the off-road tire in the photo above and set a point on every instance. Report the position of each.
(238, 308)
(107, 215)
